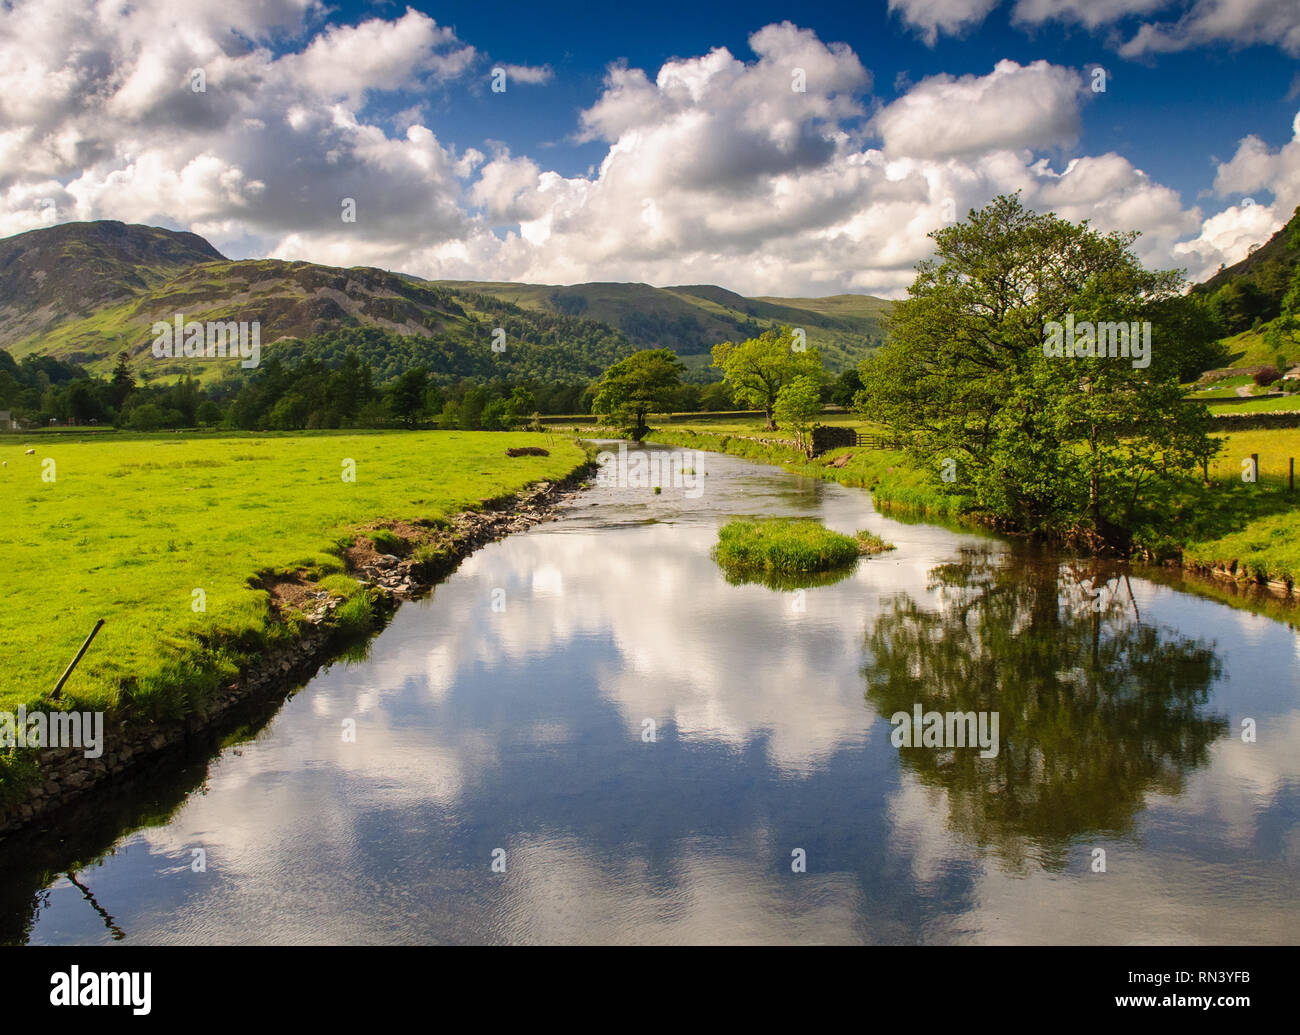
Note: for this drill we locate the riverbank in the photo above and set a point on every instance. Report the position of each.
(310, 611)
(1229, 531)
(893, 482)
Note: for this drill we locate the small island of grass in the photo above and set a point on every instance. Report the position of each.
(789, 546)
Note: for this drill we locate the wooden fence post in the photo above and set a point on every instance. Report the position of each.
(58, 689)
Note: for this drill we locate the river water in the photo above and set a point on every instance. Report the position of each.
(587, 734)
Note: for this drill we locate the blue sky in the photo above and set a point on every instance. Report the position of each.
(1172, 114)
(665, 143)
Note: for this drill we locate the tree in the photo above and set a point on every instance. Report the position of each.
(845, 387)
(184, 397)
(756, 370)
(797, 406)
(1083, 688)
(520, 404)
(1238, 304)
(1190, 335)
(450, 417)
(496, 415)
(472, 405)
(716, 396)
(351, 385)
(406, 397)
(644, 382)
(1283, 331)
(123, 381)
(977, 378)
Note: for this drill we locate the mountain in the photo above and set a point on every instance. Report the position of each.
(1278, 249)
(287, 299)
(1249, 293)
(691, 319)
(51, 276)
(83, 292)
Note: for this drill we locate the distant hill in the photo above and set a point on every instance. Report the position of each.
(83, 292)
(1279, 248)
(1250, 292)
(691, 319)
(67, 272)
(288, 299)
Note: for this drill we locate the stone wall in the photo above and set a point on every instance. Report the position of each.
(825, 438)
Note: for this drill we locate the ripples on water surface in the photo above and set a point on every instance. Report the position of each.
(522, 730)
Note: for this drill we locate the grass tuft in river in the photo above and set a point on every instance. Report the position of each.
(787, 546)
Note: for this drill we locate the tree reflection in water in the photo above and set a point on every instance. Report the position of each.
(1096, 709)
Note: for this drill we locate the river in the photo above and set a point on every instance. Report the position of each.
(587, 734)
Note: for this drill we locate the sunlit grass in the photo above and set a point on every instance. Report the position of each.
(1284, 403)
(783, 546)
(130, 527)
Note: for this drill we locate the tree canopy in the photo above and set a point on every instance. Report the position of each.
(797, 406)
(1039, 361)
(757, 369)
(644, 382)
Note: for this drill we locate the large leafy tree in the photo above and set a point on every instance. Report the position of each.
(645, 382)
(757, 369)
(1043, 442)
(797, 406)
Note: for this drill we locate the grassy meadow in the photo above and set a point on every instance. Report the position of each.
(127, 528)
(1283, 403)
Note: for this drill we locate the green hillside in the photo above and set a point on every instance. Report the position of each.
(1250, 292)
(305, 310)
(691, 319)
(288, 299)
(74, 270)
(82, 293)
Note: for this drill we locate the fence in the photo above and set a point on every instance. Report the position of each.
(827, 437)
(1274, 472)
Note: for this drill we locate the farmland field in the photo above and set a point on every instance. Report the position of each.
(128, 528)
(1283, 403)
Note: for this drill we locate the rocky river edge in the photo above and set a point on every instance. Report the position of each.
(65, 775)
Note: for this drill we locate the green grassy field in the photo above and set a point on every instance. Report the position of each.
(1275, 447)
(1255, 525)
(1250, 348)
(1284, 403)
(129, 527)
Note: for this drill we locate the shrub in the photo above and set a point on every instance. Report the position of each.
(1265, 375)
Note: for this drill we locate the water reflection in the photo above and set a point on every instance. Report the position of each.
(1097, 709)
(524, 729)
